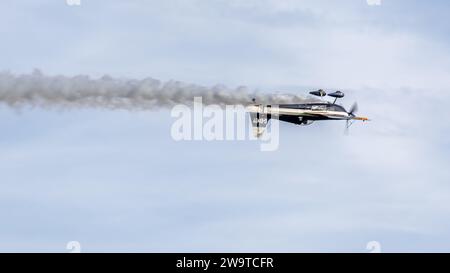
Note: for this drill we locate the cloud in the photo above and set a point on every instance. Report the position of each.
(116, 181)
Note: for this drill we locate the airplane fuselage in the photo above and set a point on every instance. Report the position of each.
(302, 113)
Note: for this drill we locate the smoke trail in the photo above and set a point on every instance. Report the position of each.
(37, 89)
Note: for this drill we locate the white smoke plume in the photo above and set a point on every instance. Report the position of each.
(39, 90)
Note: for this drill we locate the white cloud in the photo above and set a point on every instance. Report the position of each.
(388, 178)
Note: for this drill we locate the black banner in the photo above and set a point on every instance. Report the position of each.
(221, 262)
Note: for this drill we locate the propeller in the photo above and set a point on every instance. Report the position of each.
(351, 113)
(353, 109)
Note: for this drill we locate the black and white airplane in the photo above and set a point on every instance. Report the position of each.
(302, 114)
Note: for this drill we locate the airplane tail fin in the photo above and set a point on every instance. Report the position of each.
(259, 123)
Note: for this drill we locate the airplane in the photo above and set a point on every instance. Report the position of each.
(303, 113)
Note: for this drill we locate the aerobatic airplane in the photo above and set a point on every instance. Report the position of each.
(303, 113)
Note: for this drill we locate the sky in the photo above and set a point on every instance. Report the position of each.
(116, 181)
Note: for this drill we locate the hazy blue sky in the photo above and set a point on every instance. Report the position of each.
(116, 181)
